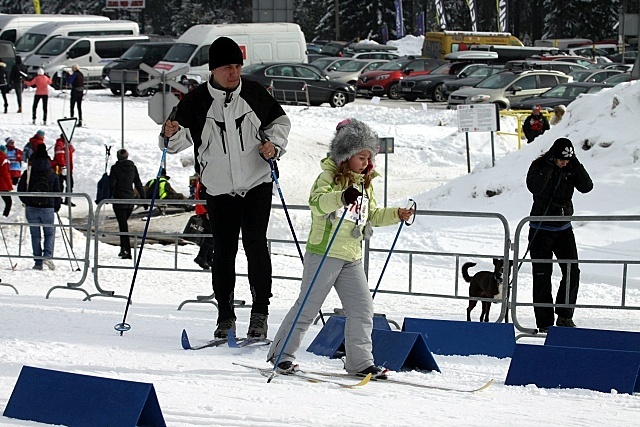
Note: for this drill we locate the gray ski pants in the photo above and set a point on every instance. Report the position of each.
(353, 290)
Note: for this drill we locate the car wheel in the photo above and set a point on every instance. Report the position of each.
(338, 99)
(393, 91)
(410, 98)
(138, 92)
(116, 92)
(438, 95)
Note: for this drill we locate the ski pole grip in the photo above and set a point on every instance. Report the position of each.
(263, 136)
(172, 117)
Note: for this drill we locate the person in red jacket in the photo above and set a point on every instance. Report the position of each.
(14, 155)
(41, 82)
(32, 145)
(5, 179)
(60, 167)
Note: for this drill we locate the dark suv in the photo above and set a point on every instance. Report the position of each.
(430, 86)
(386, 79)
(149, 53)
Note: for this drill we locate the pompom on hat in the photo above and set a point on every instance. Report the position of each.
(224, 51)
(351, 137)
(562, 149)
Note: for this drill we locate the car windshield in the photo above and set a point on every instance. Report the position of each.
(55, 46)
(352, 66)
(396, 64)
(29, 41)
(497, 81)
(564, 91)
(580, 75)
(137, 51)
(443, 69)
(618, 78)
(323, 63)
(483, 72)
(180, 53)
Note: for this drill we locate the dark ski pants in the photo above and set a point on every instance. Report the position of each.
(45, 101)
(76, 99)
(228, 215)
(544, 245)
(122, 215)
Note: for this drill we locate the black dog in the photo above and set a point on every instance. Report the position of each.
(484, 284)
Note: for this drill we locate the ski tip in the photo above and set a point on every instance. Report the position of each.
(185, 340)
(364, 381)
(486, 386)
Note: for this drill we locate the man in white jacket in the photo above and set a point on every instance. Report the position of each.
(222, 120)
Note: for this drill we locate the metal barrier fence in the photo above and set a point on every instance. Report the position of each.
(625, 263)
(96, 230)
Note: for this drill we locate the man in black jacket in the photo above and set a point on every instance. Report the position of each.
(552, 179)
(16, 77)
(76, 80)
(39, 211)
(123, 177)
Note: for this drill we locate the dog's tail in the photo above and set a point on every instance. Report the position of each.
(465, 273)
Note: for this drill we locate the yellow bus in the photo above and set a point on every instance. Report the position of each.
(438, 44)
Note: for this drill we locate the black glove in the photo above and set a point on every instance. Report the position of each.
(574, 162)
(350, 195)
(550, 159)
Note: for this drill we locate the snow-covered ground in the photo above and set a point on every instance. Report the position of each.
(429, 164)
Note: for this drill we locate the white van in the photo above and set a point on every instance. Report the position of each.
(13, 26)
(260, 42)
(42, 33)
(90, 53)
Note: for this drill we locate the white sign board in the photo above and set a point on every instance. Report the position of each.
(160, 106)
(478, 118)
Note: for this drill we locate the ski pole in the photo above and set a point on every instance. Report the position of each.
(410, 205)
(67, 245)
(264, 138)
(306, 296)
(13, 266)
(123, 326)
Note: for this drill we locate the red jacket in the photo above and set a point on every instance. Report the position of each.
(41, 83)
(201, 194)
(36, 140)
(5, 175)
(59, 160)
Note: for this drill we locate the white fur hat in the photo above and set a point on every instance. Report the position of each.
(40, 72)
(351, 137)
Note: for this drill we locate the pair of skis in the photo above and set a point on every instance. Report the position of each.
(322, 377)
(231, 341)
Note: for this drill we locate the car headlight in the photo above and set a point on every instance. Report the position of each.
(479, 98)
(383, 77)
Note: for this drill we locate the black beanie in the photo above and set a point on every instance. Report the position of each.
(224, 51)
(562, 149)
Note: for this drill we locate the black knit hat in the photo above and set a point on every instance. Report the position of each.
(562, 149)
(224, 51)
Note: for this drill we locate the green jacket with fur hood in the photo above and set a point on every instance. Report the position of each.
(325, 199)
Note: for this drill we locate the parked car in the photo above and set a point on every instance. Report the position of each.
(329, 63)
(628, 57)
(564, 94)
(149, 53)
(594, 75)
(319, 87)
(618, 78)
(386, 79)
(375, 55)
(334, 48)
(476, 76)
(313, 48)
(349, 72)
(586, 62)
(430, 86)
(508, 86)
(562, 66)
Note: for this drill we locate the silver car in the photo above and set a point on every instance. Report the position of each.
(508, 86)
(349, 72)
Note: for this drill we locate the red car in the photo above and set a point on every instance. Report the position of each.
(386, 79)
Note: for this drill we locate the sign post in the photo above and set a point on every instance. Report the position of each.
(479, 118)
(385, 147)
(67, 127)
(123, 77)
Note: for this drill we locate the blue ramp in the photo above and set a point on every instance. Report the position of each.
(402, 351)
(462, 338)
(330, 340)
(62, 398)
(593, 338)
(572, 367)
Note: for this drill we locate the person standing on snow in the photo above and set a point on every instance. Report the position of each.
(5, 180)
(552, 179)
(32, 145)
(222, 120)
(345, 183)
(535, 125)
(4, 84)
(16, 78)
(59, 164)
(14, 155)
(123, 178)
(76, 80)
(41, 82)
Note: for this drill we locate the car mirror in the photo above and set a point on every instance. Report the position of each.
(408, 71)
(515, 89)
(462, 75)
(331, 69)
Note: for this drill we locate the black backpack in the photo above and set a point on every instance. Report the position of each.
(39, 183)
(104, 188)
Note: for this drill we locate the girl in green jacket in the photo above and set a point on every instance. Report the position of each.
(345, 183)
